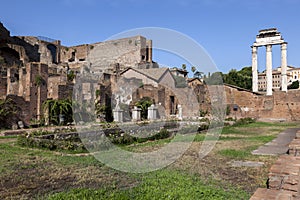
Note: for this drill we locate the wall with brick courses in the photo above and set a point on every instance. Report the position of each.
(36, 94)
(3, 87)
(53, 85)
(281, 105)
(128, 52)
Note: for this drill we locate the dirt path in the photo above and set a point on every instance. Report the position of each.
(7, 140)
(279, 145)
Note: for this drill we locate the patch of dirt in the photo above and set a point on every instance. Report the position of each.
(219, 168)
(7, 140)
(29, 180)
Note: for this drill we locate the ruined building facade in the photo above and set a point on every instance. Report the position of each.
(34, 69)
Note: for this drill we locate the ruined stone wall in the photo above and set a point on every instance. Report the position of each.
(160, 95)
(65, 91)
(167, 80)
(279, 106)
(23, 108)
(53, 85)
(4, 34)
(128, 52)
(30, 45)
(188, 99)
(12, 81)
(36, 93)
(3, 87)
(75, 53)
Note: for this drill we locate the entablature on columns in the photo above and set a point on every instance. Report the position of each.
(268, 42)
(268, 37)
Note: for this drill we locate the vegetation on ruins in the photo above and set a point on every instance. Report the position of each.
(71, 76)
(103, 111)
(52, 141)
(8, 111)
(56, 110)
(2, 60)
(180, 82)
(143, 104)
(38, 80)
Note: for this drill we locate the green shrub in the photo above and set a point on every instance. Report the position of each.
(244, 121)
(121, 138)
(34, 140)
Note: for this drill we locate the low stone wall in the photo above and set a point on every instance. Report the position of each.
(284, 176)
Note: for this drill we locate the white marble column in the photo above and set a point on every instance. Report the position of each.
(284, 67)
(254, 69)
(269, 69)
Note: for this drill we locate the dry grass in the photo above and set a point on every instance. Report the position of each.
(27, 172)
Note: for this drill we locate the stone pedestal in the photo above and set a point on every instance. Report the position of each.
(179, 112)
(269, 70)
(118, 115)
(152, 112)
(136, 114)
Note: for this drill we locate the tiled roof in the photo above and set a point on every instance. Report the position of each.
(153, 73)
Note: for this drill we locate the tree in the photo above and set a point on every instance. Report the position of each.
(215, 78)
(294, 85)
(242, 78)
(183, 66)
(143, 104)
(193, 69)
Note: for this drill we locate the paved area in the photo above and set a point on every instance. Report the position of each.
(279, 145)
(284, 175)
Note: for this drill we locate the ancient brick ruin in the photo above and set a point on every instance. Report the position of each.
(34, 69)
(283, 179)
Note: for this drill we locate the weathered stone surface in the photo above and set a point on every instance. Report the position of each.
(238, 163)
(267, 194)
(284, 174)
(294, 147)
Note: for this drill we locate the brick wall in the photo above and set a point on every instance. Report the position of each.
(281, 106)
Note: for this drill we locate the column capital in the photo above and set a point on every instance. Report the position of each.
(284, 46)
(254, 49)
(269, 47)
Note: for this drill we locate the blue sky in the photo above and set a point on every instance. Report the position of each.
(225, 28)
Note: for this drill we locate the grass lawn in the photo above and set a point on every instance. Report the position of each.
(27, 173)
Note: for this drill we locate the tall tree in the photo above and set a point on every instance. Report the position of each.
(198, 74)
(193, 69)
(242, 78)
(215, 78)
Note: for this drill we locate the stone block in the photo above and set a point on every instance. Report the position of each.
(267, 194)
